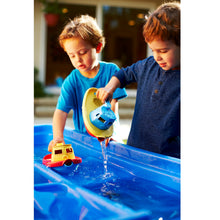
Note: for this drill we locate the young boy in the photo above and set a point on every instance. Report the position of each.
(156, 121)
(82, 40)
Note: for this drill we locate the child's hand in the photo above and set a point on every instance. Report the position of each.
(54, 142)
(103, 94)
(106, 93)
(107, 140)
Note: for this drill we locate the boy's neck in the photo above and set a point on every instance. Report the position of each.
(92, 73)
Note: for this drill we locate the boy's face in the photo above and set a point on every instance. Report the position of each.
(82, 55)
(166, 54)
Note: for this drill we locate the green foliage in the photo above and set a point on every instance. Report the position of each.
(38, 86)
(38, 90)
(51, 7)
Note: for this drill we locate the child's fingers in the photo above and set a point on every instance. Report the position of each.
(103, 95)
(107, 141)
(100, 94)
(51, 145)
(54, 142)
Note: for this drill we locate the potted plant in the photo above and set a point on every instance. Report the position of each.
(52, 12)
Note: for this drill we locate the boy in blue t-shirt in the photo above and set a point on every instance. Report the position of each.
(156, 121)
(82, 40)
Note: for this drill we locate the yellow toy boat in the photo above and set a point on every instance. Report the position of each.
(90, 105)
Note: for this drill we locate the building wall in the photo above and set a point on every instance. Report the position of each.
(39, 40)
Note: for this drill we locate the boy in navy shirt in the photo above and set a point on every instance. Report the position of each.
(156, 121)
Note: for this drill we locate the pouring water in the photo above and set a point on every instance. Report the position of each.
(105, 159)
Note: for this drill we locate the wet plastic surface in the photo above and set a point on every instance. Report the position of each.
(137, 185)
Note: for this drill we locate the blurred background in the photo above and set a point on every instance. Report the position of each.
(121, 21)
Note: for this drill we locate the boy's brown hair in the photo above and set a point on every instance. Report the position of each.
(85, 27)
(164, 24)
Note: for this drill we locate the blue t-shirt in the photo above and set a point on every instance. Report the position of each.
(75, 86)
(156, 120)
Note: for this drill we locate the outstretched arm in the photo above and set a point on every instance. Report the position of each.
(59, 121)
(106, 93)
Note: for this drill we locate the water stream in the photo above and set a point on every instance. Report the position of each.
(105, 159)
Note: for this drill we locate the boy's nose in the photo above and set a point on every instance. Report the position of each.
(157, 57)
(78, 58)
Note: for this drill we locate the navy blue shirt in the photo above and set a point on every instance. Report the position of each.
(156, 122)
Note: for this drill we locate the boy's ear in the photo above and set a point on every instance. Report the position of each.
(99, 48)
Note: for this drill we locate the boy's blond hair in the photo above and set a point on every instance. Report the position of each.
(164, 24)
(85, 27)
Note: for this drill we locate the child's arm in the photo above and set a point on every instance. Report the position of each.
(106, 93)
(59, 121)
(114, 106)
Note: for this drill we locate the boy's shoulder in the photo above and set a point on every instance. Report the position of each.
(149, 60)
(72, 74)
(109, 66)
(71, 78)
(146, 63)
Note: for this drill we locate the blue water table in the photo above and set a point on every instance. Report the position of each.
(142, 184)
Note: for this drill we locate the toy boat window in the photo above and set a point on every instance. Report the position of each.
(58, 151)
(69, 150)
(101, 119)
